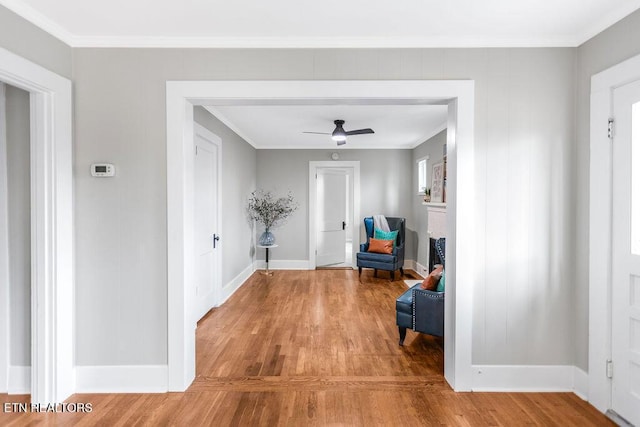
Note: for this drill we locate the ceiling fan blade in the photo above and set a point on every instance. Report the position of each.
(360, 131)
(319, 133)
(339, 143)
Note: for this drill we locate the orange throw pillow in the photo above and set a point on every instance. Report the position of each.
(381, 246)
(430, 283)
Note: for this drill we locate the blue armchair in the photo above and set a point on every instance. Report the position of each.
(388, 262)
(422, 310)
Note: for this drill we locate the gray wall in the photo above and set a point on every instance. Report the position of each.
(385, 179)
(432, 148)
(612, 46)
(25, 39)
(19, 215)
(238, 181)
(524, 137)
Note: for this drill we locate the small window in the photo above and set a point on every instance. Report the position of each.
(422, 175)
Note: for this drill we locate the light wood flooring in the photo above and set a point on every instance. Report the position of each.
(317, 348)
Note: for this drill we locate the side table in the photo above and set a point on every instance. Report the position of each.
(266, 248)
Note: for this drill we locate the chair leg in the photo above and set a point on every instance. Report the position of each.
(392, 275)
(359, 271)
(403, 334)
(401, 271)
(375, 272)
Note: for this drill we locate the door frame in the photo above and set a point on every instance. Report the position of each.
(313, 205)
(600, 226)
(458, 95)
(52, 275)
(217, 141)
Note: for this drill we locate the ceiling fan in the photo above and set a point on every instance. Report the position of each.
(340, 135)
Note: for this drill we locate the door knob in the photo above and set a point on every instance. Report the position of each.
(215, 239)
(344, 225)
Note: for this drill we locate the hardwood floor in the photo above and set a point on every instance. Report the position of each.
(317, 348)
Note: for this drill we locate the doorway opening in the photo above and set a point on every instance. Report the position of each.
(15, 232)
(614, 322)
(457, 95)
(51, 317)
(334, 198)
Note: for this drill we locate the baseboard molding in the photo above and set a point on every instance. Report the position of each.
(523, 378)
(122, 379)
(421, 270)
(19, 380)
(580, 383)
(235, 283)
(280, 264)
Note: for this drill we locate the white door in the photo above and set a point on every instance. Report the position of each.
(625, 339)
(332, 221)
(207, 245)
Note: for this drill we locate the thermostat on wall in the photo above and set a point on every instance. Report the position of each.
(103, 169)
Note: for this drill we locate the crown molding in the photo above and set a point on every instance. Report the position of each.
(321, 42)
(572, 40)
(228, 123)
(607, 20)
(39, 20)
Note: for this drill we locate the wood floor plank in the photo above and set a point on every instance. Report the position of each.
(316, 348)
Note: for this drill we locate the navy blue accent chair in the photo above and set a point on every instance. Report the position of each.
(422, 310)
(388, 262)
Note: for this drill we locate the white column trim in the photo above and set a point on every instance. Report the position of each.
(457, 94)
(52, 306)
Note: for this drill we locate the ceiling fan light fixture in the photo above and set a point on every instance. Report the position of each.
(338, 136)
(338, 133)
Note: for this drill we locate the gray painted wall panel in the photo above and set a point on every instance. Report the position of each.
(612, 46)
(385, 176)
(19, 198)
(432, 148)
(524, 135)
(25, 39)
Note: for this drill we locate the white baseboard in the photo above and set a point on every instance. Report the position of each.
(121, 379)
(235, 284)
(523, 378)
(421, 270)
(19, 380)
(581, 383)
(280, 264)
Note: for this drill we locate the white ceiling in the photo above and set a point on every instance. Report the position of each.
(328, 23)
(281, 126)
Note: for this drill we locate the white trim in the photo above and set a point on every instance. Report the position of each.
(52, 289)
(121, 379)
(355, 220)
(323, 42)
(181, 96)
(421, 270)
(5, 313)
(282, 264)
(461, 41)
(19, 380)
(519, 378)
(580, 383)
(235, 283)
(434, 132)
(607, 20)
(39, 20)
(228, 123)
(600, 217)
